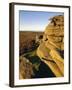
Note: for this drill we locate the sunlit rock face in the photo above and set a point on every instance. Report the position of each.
(54, 32)
(51, 49)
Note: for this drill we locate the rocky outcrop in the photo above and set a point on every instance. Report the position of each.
(25, 68)
(52, 44)
(55, 32)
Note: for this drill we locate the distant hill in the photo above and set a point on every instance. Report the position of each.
(27, 40)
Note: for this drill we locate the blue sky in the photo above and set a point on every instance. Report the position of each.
(35, 20)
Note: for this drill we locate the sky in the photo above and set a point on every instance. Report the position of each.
(35, 20)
